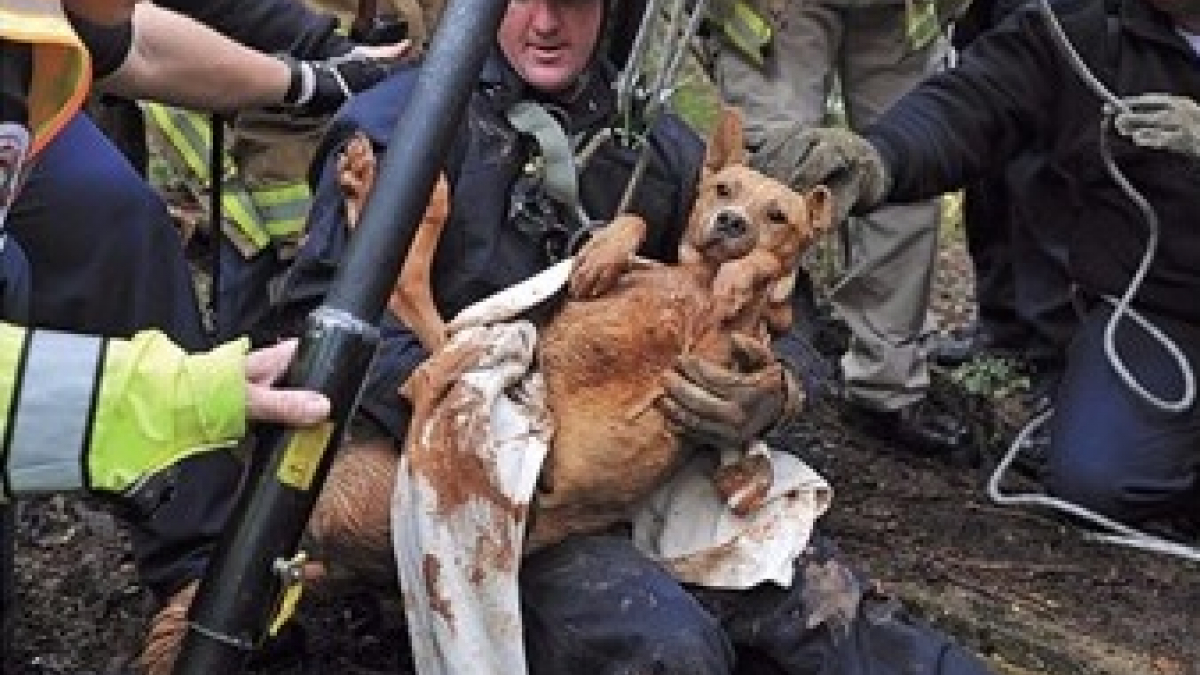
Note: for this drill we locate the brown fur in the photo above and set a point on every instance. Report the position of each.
(603, 363)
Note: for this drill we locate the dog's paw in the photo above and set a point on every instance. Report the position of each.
(605, 257)
(356, 168)
(431, 381)
(734, 288)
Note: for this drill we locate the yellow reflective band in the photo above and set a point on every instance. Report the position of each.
(303, 454)
(921, 22)
(239, 207)
(188, 134)
(12, 350)
(283, 209)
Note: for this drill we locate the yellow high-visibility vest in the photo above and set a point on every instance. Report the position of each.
(61, 66)
(253, 216)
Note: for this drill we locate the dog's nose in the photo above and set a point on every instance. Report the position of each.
(731, 224)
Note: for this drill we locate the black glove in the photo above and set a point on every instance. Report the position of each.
(724, 408)
(840, 159)
(321, 87)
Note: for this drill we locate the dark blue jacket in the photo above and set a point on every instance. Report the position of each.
(481, 250)
(1014, 89)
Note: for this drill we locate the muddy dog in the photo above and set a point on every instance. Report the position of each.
(625, 323)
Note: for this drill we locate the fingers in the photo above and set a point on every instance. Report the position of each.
(292, 407)
(383, 52)
(267, 365)
(1150, 102)
(751, 354)
(264, 367)
(698, 412)
(698, 429)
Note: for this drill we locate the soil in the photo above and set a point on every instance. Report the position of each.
(1023, 589)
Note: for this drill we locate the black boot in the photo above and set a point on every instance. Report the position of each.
(921, 427)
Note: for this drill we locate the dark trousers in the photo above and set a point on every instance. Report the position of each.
(107, 260)
(1022, 285)
(1111, 451)
(596, 605)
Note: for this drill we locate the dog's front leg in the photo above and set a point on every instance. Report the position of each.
(606, 256)
(741, 282)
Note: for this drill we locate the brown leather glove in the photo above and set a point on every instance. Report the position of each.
(727, 408)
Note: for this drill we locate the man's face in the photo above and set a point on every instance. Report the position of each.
(548, 42)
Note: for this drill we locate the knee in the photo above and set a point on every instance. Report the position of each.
(594, 604)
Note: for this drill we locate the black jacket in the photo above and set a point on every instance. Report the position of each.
(1014, 89)
(481, 250)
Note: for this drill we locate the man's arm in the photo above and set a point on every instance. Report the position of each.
(162, 64)
(153, 56)
(83, 411)
(271, 26)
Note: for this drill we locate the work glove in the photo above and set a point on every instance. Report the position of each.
(319, 88)
(727, 408)
(837, 158)
(1162, 121)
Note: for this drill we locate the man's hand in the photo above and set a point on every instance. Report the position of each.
(321, 87)
(265, 403)
(725, 408)
(838, 158)
(1163, 122)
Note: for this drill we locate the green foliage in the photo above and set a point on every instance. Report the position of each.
(992, 378)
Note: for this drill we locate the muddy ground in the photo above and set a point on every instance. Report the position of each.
(1021, 588)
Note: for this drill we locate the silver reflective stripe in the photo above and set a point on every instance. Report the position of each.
(50, 425)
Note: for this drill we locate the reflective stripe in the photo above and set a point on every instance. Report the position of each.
(186, 136)
(283, 208)
(252, 218)
(921, 22)
(12, 349)
(53, 413)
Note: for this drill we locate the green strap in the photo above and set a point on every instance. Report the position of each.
(558, 161)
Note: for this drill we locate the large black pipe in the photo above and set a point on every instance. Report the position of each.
(243, 587)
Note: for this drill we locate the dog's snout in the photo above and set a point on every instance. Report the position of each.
(731, 224)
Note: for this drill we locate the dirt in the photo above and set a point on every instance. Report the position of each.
(1023, 589)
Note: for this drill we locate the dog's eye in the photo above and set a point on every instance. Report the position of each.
(776, 215)
(723, 190)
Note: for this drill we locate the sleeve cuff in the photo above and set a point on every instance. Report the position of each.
(221, 399)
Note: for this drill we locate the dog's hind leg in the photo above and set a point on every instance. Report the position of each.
(412, 297)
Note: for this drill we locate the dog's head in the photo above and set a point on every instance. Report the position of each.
(739, 210)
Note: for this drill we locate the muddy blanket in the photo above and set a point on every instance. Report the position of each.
(462, 502)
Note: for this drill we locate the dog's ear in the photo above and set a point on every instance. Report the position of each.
(819, 201)
(727, 145)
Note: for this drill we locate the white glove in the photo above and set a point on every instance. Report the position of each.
(1162, 121)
